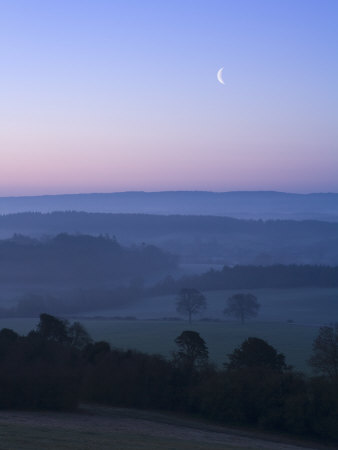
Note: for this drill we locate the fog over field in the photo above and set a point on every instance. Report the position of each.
(168, 224)
(203, 240)
(82, 262)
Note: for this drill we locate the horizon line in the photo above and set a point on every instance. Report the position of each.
(197, 191)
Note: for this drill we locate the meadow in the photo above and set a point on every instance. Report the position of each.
(308, 306)
(288, 320)
(28, 437)
(156, 336)
(295, 341)
(127, 429)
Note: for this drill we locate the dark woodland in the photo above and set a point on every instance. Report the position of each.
(57, 366)
(71, 274)
(195, 238)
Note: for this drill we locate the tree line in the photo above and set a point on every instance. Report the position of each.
(233, 241)
(156, 225)
(88, 299)
(57, 365)
(78, 259)
(73, 301)
(277, 276)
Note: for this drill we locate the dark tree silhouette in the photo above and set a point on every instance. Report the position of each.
(7, 335)
(79, 336)
(193, 352)
(324, 358)
(53, 329)
(58, 330)
(190, 301)
(242, 306)
(256, 353)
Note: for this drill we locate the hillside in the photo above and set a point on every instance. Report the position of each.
(99, 426)
(77, 258)
(240, 204)
(197, 239)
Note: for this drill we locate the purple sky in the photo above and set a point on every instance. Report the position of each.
(122, 95)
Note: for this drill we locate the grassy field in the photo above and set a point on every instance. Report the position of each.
(302, 305)
(307, 309)
(313, 306)
(221, 338)
(154, 336)
(26, 437)
(100, 427)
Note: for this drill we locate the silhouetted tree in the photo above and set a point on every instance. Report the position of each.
(96, 351)
(242, 306)
(256, 353)
(79, 337)
(193, 351)
(7, 335)
(53, 329)
(8, 339)
(190, 301)
(325, 351)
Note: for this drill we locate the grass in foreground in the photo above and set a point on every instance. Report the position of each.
(26, 437)
(96, 427)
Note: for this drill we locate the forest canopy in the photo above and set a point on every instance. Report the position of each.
(77, 258)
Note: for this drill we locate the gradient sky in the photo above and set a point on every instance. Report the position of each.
(117, 95)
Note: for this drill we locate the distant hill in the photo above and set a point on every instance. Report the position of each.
(78, 259)
(198, 239)
(239, 204)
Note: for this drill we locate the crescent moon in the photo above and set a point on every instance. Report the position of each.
(219, 75)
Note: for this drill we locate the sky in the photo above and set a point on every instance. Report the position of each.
(122, 95)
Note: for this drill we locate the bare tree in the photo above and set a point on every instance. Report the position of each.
(325, 351)
(242, 306)
(190, 301)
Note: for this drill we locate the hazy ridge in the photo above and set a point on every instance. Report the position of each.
(239, 204)
(198, 239)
